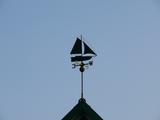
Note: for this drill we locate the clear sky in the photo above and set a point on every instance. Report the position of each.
(37, 81)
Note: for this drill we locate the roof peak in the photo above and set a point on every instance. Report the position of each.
(82, 100)
(81, 110)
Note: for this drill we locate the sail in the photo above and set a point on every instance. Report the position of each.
(88, 50)
(77, 48)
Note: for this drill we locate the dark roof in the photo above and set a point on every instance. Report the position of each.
(82, 111)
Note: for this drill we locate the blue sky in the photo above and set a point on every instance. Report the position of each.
(37, 81)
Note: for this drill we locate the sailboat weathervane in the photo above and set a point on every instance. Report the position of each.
(81, 56)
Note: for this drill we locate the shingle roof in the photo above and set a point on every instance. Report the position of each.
(82, 111)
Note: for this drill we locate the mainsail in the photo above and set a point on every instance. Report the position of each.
(77, 48)
(81, 51)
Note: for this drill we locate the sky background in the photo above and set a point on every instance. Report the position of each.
(37, 81)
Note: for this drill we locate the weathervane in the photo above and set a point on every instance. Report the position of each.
(81, 56)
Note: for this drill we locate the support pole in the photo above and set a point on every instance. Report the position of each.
(81, 84)
(82, 70)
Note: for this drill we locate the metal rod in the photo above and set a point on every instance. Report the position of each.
(81, 84)
(82, 70)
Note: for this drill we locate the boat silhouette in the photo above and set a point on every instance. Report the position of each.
(81, 51)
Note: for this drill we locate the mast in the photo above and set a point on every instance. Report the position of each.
(81, 70)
